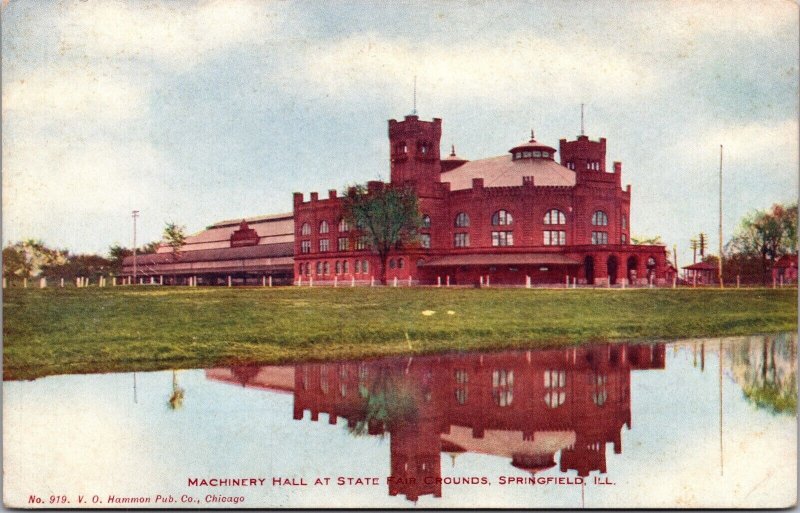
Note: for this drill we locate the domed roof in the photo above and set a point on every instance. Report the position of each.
(532, 145)
(453, 156)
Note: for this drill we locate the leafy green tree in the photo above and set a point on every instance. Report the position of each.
(766, 235)
(27, 259)
(387, 216)
(656, 240)
(175, 237)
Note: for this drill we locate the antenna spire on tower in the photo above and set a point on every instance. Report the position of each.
(582, 119)
(414, 110)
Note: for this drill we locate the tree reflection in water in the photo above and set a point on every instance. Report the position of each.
(387, 402)
(765, 368)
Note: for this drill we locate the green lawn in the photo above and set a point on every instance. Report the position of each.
(54, 331)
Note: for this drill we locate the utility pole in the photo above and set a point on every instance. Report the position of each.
(134, 214)
(703, 244)
(721, 285)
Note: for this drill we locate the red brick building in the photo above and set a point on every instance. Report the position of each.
(518, 218)
(524, 406)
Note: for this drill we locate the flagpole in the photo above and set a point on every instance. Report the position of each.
(721, 285)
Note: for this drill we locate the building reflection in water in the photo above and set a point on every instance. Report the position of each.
(523, 405)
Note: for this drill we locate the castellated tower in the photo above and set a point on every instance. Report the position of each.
(414, 150)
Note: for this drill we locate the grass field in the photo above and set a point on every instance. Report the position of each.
(56, 331)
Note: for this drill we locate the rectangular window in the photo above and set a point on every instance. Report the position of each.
(599, 237)
(323, 245)
(362, 242)
(502, 238)
(344, 244)
(425, 240)
(555, 237)
(305, 246)
(461, 240)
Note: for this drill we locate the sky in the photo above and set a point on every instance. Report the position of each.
(195, 112)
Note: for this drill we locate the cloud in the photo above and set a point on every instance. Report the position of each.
(518, 68)
(177, 34)
(48, 182)
(759, 141)
(74, 94)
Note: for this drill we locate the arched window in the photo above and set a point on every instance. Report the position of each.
(599, 392)
(502, 218)
(306, 229)
(365, 266)
(462, 220)
(392, 263)
(343, 225)
(357, 267)
(624, 222)
(326, 268)
(323, 227)
(599, 218)
(503, 387)
(555, 385)
(319, 268)
(426, 221)
(308, 269)
(345, 267)
(555, 216)
(400, 263)
(420, 262)
(338, 267)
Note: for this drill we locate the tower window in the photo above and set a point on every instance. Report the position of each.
(555, 237)
(599, 218)
(624, 222)
(426, 221)
(344, 226)
(503, 387)
(323, 227)
(344, 244)
(461, 240)
(462, 220)
(502, 239)
(599, 237)
(306, 229)
(502, 218)
(555, 216)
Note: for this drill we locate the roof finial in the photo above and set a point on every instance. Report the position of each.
(414, 110)
(533, 137)
(452, 150)
(582, 119)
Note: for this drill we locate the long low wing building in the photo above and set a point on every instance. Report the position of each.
(255, 251)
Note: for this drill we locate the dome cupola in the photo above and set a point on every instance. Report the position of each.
(532, 150)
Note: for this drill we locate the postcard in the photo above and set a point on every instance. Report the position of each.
(449, 254)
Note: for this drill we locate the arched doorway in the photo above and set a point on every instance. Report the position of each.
(612, 264)
(633, 263)
(651, 269)
(588, 269)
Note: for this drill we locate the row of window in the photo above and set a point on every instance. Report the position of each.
(323, 268)
(499, 218)
(461, 240)
(555, 384)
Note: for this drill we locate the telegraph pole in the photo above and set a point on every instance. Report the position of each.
(134, 214)
(721, 285)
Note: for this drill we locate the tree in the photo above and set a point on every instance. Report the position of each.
(638, 240)
(766, 235)
(26, 259)
(175, 237)
(387, 216)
